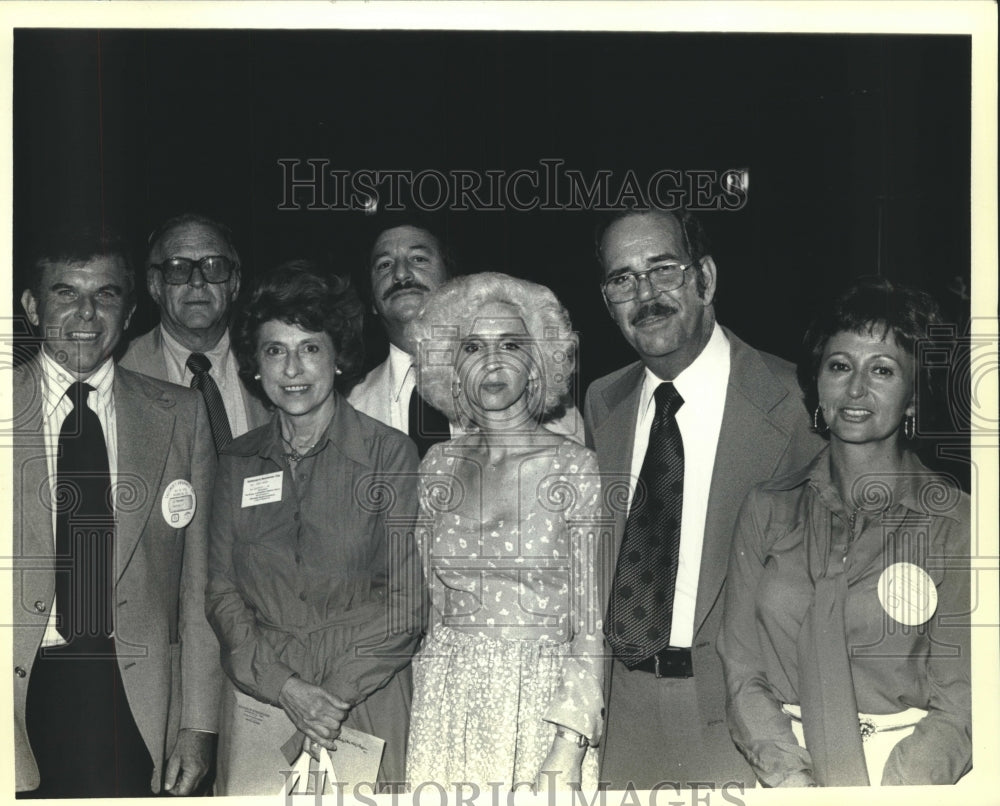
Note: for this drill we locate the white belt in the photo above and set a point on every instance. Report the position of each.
(870, 724)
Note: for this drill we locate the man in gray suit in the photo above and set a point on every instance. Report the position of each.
(737, 418)
(116, 670)
(193, 276)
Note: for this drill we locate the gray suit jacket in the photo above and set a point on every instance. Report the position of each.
(765, 432)
(145, 355)
(167, 653)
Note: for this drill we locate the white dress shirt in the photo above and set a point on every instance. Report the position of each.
(402, 379)
(703, 386)
(55, 409)
(224, 372)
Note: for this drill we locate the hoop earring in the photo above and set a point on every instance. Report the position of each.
(816, 429)
(909, 426)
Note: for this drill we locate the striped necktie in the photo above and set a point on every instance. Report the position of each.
(199, 365)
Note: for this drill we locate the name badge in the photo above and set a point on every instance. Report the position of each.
(907, 593)
(264, 489)
(179, 503)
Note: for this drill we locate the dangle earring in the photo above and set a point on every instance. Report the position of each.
(816, 429)
(909, 426)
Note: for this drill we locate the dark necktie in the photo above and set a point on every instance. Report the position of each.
(85, 524)
(199, 365)
(642, 596)
(428, 426)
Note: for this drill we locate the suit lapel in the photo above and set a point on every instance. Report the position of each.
(32, 507)
(145, 429)
(750, 447)
(613, 438)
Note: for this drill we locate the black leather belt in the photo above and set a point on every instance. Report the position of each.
(669, 662)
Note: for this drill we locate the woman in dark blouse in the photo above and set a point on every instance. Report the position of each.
(315, 590)
(845, 639)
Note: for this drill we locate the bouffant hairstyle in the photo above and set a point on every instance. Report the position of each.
(300, 293)
(870, 305)
(448, 317)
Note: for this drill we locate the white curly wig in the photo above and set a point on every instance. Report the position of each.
(448, 316)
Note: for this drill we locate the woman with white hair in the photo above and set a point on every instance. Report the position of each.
(508, 681)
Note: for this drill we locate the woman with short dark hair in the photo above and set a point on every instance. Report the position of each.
(314, 584)
(845, 639)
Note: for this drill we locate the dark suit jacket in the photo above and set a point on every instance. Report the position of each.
(167, 653)
(765, 432)
(145, 355)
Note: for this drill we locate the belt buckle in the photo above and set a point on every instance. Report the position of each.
(867, 728)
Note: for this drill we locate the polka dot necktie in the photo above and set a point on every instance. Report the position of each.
(642, 596)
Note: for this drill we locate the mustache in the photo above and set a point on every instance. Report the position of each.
(404, 285)
(652, 308)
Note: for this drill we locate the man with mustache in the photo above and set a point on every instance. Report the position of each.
(193, 276)
(729, 416)
(406, 263)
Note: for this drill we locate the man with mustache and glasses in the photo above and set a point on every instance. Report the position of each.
(193, 276)
(692, 425)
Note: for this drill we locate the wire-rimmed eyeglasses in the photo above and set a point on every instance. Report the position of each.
(664, 277)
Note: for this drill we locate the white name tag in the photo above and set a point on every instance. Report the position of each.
(179, 503)
(264, 489)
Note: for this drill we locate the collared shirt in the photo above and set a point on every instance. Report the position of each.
(402, 379)
(55, 409)
(703, 386)
(795, 530)
(321, 563)
(224, 372)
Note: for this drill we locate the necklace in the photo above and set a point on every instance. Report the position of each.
(293, 455)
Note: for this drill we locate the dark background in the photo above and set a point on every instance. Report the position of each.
(857, 147)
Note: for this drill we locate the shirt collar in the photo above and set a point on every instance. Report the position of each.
(698, 380)
(400, 365)
(218, 355)
(56, 380)
(914, 488)
(343, 433)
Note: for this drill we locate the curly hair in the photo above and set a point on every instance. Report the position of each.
(448, 316)
(300, 293)
(870, 305)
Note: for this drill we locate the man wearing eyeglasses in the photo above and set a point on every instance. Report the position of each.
(694, 423)
(193, 276)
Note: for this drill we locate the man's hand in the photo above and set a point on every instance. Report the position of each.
(189, 762)
(315, 712)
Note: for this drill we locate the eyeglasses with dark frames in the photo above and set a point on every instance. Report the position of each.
(178, 270)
